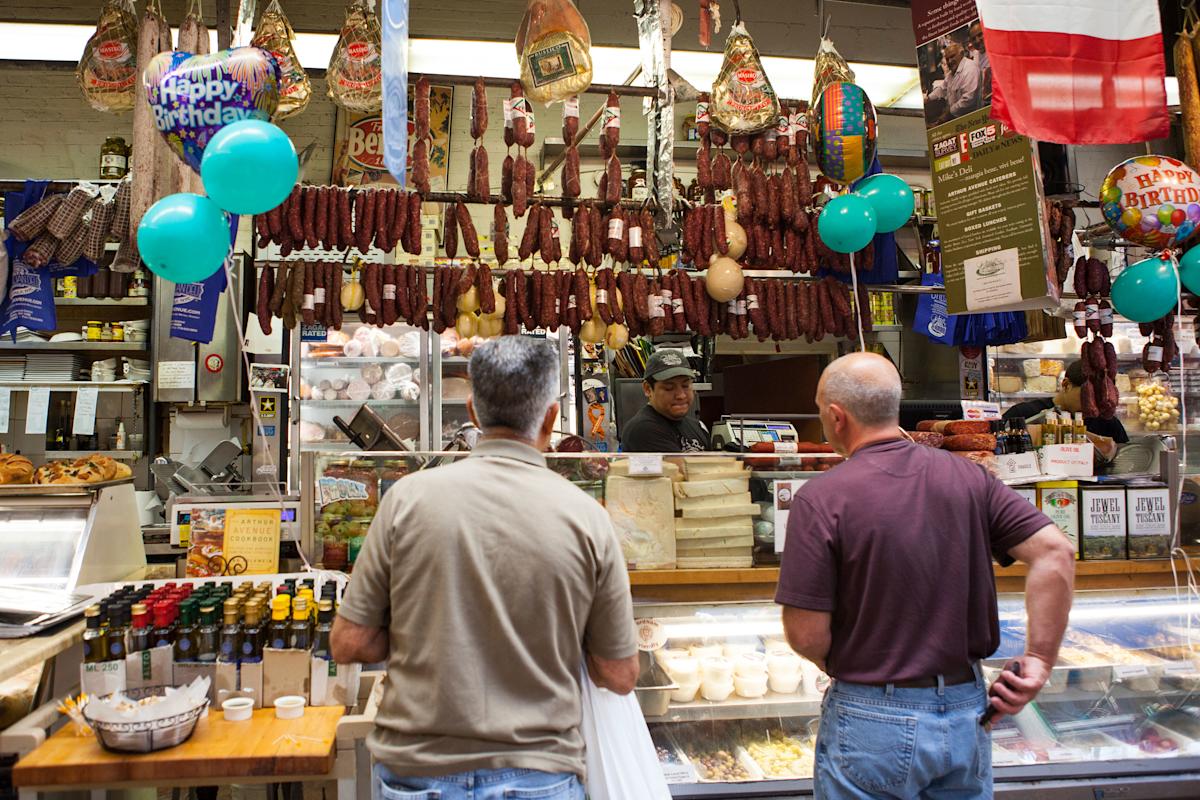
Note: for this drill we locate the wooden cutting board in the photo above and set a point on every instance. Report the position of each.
(258, 747)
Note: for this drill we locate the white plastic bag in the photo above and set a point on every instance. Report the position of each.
(621, 762)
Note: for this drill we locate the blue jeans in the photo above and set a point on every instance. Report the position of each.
(483, 784)
(884, 742)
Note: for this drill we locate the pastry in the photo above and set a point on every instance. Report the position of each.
(15, 468)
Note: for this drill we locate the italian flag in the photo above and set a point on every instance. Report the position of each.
(1077, 71)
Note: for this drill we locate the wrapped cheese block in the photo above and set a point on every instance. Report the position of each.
(355, 75)
(107, 71)
(554, 48)
(275, 35)
(742, 98)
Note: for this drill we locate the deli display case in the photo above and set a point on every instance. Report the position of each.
(1121, 710)
(733, 712)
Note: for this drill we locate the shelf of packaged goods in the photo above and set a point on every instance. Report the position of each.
(347, 362)
(70, 386)
(140, 347)
(102, 302)
(767, 707)
(758, 583)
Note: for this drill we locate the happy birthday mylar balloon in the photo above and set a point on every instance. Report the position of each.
(193, 97)
(1153, 201)
(845, 132)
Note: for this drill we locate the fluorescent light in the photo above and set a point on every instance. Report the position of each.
(791, 77)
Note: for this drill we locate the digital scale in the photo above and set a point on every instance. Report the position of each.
(746, 432)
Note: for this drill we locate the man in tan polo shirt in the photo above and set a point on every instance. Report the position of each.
(484, 585)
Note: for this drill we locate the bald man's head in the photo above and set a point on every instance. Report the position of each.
(867, 388)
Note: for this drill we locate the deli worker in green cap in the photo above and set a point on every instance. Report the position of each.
(665, 424)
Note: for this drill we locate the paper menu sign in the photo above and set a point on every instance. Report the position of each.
(253, 534)
(5, 408)
(176, 375)
(84, 421)
(38, 411)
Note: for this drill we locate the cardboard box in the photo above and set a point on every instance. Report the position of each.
(285, 672)
(1103, 523)
(187, 671)
(150, 668)
(1059, 500)
(1150, 529)
(102, 677)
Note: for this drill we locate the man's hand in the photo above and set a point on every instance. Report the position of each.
(618, 675)
(1009, 693)
(351, 642)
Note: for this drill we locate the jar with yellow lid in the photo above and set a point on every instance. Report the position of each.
(95, 329)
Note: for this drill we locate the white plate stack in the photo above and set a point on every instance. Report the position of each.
(12, 368)
(715, 526)
(104, 371)
(137, 369)
(137, 330)
(52, 367)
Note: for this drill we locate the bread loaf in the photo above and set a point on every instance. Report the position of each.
(15, 468)
(926, 425)
(966, 442)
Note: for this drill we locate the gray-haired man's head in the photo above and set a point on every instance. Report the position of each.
(514, 384)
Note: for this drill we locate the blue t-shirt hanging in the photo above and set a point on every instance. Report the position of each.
(194, 305)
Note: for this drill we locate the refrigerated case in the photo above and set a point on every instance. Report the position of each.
(1121, 710)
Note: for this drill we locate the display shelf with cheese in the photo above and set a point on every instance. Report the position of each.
(743, 710)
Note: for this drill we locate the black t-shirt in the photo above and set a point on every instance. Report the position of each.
(648, 431)
(1112, 428)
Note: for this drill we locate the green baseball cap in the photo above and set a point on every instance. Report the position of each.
(666, 364)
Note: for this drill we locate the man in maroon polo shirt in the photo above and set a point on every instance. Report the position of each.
(887, 584)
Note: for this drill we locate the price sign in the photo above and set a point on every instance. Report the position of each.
(1124, 672)
(39, 410)
(84, 421)
(1068, 460)
(1181, 669)
(5, 408)
(645, 466)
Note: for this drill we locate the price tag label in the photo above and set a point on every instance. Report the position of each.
(651, 635)
(39, 410)
(645, 466)
(1122, 672)
(1068, 460)
(1181, 669)
(84, 421)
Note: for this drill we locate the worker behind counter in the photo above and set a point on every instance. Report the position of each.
(665, 424)
(1069, 399)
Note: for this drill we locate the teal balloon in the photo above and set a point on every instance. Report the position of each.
(1189, 270)
(847, 223)
(1146, 291)
(891, 198)
(184, 238)
(249, 167)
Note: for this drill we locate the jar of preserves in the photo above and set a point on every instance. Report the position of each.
(118, 331)
(364, 488)
(138, 287)
(392, 472)
(106, 333)
(638, 188)
(95, 329)
(114, 158)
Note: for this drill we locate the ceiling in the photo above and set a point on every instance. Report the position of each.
(878, 31)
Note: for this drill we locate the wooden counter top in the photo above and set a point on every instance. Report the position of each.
(263, 748)
(701, 585)
(18, 655)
